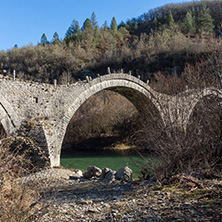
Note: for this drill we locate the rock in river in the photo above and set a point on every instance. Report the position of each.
(92, 171)
(124, 173)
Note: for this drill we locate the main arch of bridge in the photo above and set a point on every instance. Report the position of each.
(116, 82)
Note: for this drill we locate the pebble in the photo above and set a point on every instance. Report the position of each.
(73, 200)
(87, 202)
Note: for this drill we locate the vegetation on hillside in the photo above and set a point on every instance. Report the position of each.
(164, 39)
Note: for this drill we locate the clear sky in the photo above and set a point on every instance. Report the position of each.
(23, 22)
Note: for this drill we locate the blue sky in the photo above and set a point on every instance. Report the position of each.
(23, 22)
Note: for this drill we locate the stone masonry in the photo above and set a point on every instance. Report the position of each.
(51, 107)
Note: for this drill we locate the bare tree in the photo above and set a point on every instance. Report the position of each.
(197, 145)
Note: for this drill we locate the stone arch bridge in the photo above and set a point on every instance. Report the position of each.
(51, 107)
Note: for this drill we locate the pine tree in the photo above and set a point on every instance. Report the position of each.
(114, 24)
(87, 25)
(160, 27)
(55, 39)
(189, 23)
(122, 24)
(170, 21)
(73, 28)
(105, 25)
(93, 20)
(155, 23)
(87, 34)
(205, 21)
(43, 39)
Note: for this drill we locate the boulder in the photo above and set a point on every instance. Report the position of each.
(79, 172)
(104, 172)
(92, 171)
(110, 176)
(107, 175)
(124, 173)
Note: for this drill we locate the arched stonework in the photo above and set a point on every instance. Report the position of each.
(54, 105)
(194, 99)
(96, 85)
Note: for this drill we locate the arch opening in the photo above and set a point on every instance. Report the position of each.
(206, 120)
(204, 131)
(108, 122)
(100, 121)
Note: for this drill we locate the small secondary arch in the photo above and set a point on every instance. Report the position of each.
(205, 124)
(200, 96)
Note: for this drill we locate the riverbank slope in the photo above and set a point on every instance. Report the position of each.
(63, 199)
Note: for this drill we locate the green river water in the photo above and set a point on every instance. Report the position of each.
(103, 158)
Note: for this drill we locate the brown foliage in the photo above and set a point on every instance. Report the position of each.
(198, 149)
(204, 73)
(143, 55)
(17, 203)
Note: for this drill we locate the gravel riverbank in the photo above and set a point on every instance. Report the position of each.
(92, 200)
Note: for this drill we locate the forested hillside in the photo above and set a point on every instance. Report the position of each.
(163, 40)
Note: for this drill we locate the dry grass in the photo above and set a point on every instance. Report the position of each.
(17, 202)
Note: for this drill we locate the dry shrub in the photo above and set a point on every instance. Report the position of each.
(198, 150)
(34, 158)
(17, 202)
(168, 84)
(206, 72)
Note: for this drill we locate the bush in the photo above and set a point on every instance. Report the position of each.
(35, 158)
(17, 202)
(198, 150)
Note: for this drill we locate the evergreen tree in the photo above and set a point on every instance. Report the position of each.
(43, 39)
(87, 25)
(189, 23)
(55, 39)
(105, 25)
(134, 24)
(73, 28)
(114, 24)
(122, 24)
(93, 20)
(160, 27)
(170, 21)
(87, 35)
(205, 21)
(96, 33)
(155, 23)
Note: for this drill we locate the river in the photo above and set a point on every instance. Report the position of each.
(81, 159)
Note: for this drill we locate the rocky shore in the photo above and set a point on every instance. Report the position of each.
(67, 199)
